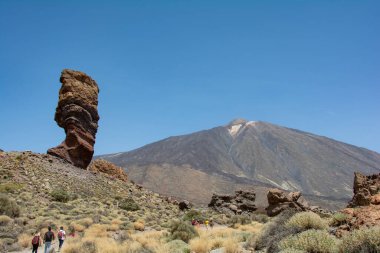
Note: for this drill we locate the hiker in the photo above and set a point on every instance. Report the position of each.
(48, 238)
(206, 224)
(211, 223)
(61, 237)
(193, 222)
(36, 242)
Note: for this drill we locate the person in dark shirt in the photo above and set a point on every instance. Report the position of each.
(48, 238)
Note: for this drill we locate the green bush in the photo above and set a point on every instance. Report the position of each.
(181, 230)
(60, 195)
(177, 246)
(4, 220)
(193, 214)
(306, 220)
(262, 218)
(338, 219)
(129, 205)
(313, 241)
(240, 219)
(274, 231)
(8, 207)
(363, 240)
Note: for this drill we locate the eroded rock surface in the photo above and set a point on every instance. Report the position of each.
(184, 205)
(77, 113)
(364, 208)
(366, 190)
(109, 169)
(241, 202)
(279, 201)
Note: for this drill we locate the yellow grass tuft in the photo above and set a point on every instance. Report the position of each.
(77, 227)
(139, 225)
(231, 245)
(25, 240)
(200, 245)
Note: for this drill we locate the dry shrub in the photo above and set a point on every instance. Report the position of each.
(116, 222)
(139, 225)
(77, 227)
(363, 240)
(113, 227)
(9, 207)
(86, 222)
(292, 251)
(25, 240)
(274, 231)
(231, 245)
(107, 245)
(150, 240)
(175, 246)
(216, 243)
(133, 247)
(96, 231)
(254, 227)
(200, 245)
(4, 220)
(318, 241)
(306, 220)
(73, 246)
(182, 230)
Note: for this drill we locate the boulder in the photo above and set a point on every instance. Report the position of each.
(77, 113)
(279, 201)
(184, 205)
(108, 168)
(365, 188)
(241, 202)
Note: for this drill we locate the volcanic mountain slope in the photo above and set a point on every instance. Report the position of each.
(246, 153)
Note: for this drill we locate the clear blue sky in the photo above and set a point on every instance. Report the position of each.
(168, 68)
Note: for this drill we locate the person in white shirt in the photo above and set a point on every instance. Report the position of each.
(61, 237)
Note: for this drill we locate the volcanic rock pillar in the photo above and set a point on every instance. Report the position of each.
(77, 113)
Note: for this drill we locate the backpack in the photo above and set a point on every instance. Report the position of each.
(36, 240)
(60, 234)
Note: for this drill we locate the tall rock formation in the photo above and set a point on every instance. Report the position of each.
(366, 190)
(77, 113)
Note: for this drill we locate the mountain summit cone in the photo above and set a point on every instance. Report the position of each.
(245, 154)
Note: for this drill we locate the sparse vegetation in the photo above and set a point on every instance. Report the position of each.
(8, 206)
(306, 220)
(60, 195)
(315, 241)
(338, 219)
(273, 232)
(193, 214)
(10, 187)
(4, 220)
(182, 231)
(129, 205)
(240, 219)
(363, 240)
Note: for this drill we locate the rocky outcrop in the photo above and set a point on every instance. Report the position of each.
(77, 113)
(184, 205)
(364, 208)
(241, 202)
(109, 169)
(279, 201)
(366, 190)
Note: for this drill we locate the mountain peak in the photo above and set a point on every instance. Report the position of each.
(237, 125)
(237, 122)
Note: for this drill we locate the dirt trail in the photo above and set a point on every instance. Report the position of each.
(40, 249)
